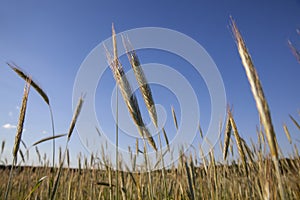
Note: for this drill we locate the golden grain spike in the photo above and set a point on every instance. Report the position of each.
(227, 136)
(126, 91)
(295, 52)
(141, 79)
(21, 118)
(238, 140)
(174, 117)
(75, 117)
(24, 76)
(295, 122)
(257, 91)
(261, 103)
(166, 138)
(287, 133)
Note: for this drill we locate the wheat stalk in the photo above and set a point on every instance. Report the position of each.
(295, 122)
(166, 138)
(174, 117)
(238, 140)
(200, 131)
(261, 103)
(75, 117)
(248, 151)
(41, 92)
(227, 135)
(141, 79)
(257, 90)
(72, 125)
(127, 94)
(18, 134)
(295, 52)
(21, 118)
(2, 146)
(287, 133)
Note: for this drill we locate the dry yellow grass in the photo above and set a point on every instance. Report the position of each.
(261, 102)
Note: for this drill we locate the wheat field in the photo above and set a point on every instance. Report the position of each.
(259, 171)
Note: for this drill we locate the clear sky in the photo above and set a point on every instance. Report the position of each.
(50, 40)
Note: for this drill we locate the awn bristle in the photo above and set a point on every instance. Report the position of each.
(21, 118)
(141, 79)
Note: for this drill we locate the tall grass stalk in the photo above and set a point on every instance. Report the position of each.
(141, 79)
(129, 98)
(261, 103)
(295, 52)
(238, 140)
(45, 97)
(163, 171)
(295, 122)
(71, 129)
(117, 113)
(227, 135)
(18, 134)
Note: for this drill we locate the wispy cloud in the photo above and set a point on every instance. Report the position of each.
(44, 132)
(10, 113)
(9, 126)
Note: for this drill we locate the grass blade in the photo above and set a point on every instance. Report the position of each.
(75, 117)
(295, 122)
(24, 76)
(48, 138)
(37, 185)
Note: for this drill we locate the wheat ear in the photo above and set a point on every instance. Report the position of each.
(141, 79)
(227, 136)
(261, 103)
(238, 140)
(127, 94)
(21, 118)
(295, 52)
(18, 135)
(41, 92)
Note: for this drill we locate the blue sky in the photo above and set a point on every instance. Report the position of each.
(51, 39)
